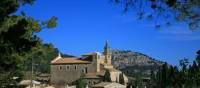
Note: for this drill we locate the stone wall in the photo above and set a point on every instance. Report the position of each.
(92, 81)
(95, 65)
(67, 73)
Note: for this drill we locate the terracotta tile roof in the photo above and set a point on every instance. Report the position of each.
(70, 61)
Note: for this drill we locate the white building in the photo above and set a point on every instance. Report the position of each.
(109, 85)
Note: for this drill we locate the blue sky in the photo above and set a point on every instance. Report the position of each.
(85, 25)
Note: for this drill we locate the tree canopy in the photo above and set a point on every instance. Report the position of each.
(18, 40)
(186, 76)
(165, 11)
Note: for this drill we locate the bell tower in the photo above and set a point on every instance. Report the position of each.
(107, 54)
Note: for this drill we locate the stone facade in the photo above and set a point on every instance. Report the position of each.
(92, 66)
(67, 73)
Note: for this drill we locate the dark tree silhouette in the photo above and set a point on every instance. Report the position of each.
(187, 76)
(180, 10)
(106, 77)
(121, 79)
(17, 39)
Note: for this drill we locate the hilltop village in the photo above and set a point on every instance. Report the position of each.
(90, 67)
(106, 69)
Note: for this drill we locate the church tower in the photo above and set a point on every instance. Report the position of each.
(107, 54)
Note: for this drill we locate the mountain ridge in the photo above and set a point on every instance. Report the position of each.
(131, 62)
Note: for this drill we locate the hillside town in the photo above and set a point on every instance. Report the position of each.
(61, 44)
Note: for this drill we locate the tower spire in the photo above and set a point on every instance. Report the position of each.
(106, 48)
(107, 53)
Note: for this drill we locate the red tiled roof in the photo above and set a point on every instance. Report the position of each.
(70, 61)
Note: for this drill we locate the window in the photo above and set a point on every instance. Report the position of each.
(60, 67)
(84, 70)
(67, 67)
(75, 67)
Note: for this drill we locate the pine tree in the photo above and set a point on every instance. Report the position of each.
(164, 75)
(179, 10)
(17, 39)
(198, 68)
(187, 76)
(198, 58)
(153, 79)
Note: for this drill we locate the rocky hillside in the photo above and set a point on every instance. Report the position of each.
(134, 62)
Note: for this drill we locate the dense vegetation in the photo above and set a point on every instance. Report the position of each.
(18, 43)
(40, 57)
(81, 83)
(183, 76)
(144, 71)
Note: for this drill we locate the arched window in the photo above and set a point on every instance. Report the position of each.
(60, 67)
(75, 67)
(67, 67)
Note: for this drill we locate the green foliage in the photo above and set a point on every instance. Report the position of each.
(137, 83)
(198, 57)
(187, 76)
(52, 22)
(42, 56)
(18, 41)
(169, 10)
(153, 80)
(81, 83)
(106, 77)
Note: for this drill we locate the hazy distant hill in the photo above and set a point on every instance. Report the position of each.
(132, 63)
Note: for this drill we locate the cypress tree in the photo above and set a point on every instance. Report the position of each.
(81, 83)
(121, 79)
(152, 79)
(106, 77)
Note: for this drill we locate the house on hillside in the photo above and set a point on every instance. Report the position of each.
(91, 67)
